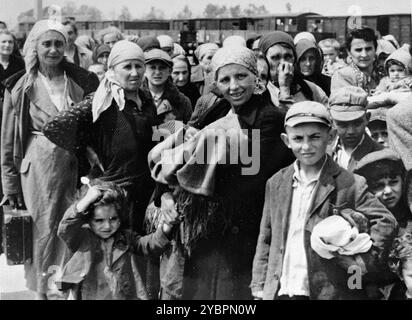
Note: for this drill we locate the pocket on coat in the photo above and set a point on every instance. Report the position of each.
(25, 165)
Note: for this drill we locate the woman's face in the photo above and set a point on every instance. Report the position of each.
(129, 74)
(105, 222)
(276, 55)
(50, 48)
(307, 63)
(362, 53)
(180, 73)
(110, 39)
(263, 71)
(6, 44)
(157, 73)
(236, 83)
(103, 58)
(206, 60)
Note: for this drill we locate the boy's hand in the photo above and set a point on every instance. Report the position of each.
(91, 196)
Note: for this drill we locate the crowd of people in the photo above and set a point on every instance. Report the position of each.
(264, 168)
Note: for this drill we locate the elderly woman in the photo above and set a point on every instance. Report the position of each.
(361, 45)
(220, 202)
(201, 75)
(117, 124)
(35, 171)
(287, 84)
(110, 36)
(181, 78)
(310, 64)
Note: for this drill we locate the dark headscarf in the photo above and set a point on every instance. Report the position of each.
(279, 37)
(148, 43)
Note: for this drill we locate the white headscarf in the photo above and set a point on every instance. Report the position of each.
(41, 27)
(234, 41)
(165, 41)
(110, 88)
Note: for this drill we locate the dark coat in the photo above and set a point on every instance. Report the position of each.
(367, 146)
(328, 279)
(219, 266)
(126, 265)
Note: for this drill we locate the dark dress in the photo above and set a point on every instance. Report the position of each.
(219, 263)
(121, 140)
(190, 91)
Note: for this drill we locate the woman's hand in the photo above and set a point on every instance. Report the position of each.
(91, 196)
(170, 216)
(16, 201)
(285, 78)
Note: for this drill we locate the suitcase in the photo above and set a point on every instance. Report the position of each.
(18, 237)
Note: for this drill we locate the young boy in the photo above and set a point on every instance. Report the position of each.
(385, 174)
(377, 126)
(300, 196)
(348, 112)
(104, 264)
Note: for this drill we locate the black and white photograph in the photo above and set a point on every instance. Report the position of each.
(205, 151)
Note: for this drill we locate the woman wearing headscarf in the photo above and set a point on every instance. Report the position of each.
(117, 124)
(110, 36)
(202, 76)
(35, 171)
(287, 84)
(310, 64)
(181, 77)
(219, 201)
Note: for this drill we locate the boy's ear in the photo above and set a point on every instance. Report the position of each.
(285, 139)
(332, 134)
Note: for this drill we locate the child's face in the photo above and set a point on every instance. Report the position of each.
(329, 54)
(379, 132)
(308, 141)
(396, 72)
(351, 132)
(105, 221)
(388, 190)
(407, 275)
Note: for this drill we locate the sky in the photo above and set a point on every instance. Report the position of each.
(9, 10)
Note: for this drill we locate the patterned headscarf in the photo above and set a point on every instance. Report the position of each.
(109, 88)
(234, 55)
(40, 28)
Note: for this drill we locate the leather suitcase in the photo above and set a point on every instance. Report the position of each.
(18, 237)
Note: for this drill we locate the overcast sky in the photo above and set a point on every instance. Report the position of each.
(10, 9)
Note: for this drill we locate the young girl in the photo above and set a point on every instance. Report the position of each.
(104, 265)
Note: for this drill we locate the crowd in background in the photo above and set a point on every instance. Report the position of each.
(101, 141)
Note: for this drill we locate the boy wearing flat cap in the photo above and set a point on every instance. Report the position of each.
(378, 127)
(300, 196)
(347, 108)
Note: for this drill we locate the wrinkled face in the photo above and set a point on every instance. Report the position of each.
(110, 39)
(388, 190)
(180, 73)
(277, 54)
(98, 69)
(168, 50)
(351, 132)
(50, 48)
(206, 60)
(308, 142)
(72, 35)
(307, 63)
(103, 58)
(129, 74)
(379, 132)
(236, 83)
(362, 53)
(157, 73)
(6, 44)
(263, 71)
(330, 54)
(407, 275)
(105, 222)
(396, 72)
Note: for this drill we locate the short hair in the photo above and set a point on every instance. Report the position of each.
(382, 169)
(112, 195)
(68, 23)
(396, 258)
(364, 33)
(330, 42)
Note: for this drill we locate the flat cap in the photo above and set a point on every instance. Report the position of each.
(348, 103)
(158, 55)
(307, 112)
